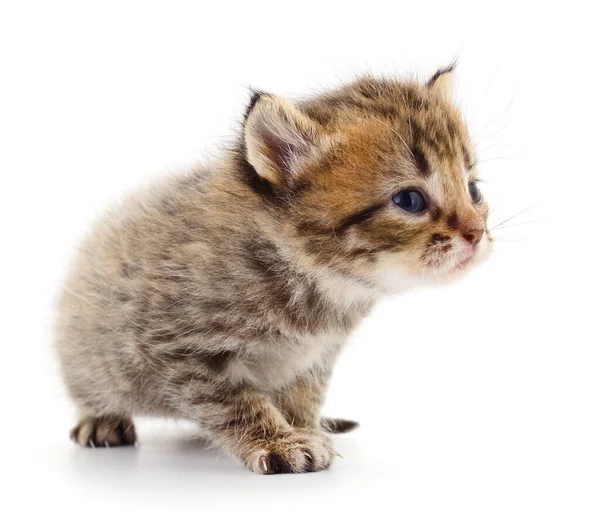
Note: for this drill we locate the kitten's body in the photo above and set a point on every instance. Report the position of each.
(224, 296)
(175, 279)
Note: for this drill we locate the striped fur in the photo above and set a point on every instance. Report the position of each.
(224, 296)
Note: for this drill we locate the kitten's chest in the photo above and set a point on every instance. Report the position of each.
(278, 363)
(304, 333)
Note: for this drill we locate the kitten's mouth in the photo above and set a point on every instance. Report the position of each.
(448, 259)
(453, 265)
(465, 261)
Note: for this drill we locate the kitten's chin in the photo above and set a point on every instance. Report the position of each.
(395, 274)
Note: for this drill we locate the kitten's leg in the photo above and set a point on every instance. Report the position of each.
(301, 404)
(250, 427)
(104, 431)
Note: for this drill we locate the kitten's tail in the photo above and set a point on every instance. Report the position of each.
(337, 426)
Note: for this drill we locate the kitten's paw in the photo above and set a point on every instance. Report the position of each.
(105, 431)
(293, 452)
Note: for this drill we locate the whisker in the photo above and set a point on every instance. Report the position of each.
(512, 217)
(519, 224)
(497, 117)
(496, 158)
(493, 208)
(490, 136)
(501, 239)
(498, 144)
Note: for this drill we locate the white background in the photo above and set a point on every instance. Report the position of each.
(479, 403)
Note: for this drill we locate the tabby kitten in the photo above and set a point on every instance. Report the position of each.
(224, 296)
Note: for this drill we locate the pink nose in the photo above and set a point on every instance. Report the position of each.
(473, 237)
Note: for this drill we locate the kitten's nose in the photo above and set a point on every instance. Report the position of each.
(473, 236)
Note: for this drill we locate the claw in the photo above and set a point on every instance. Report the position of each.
(263, 464)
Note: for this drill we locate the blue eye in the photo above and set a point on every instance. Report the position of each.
(411, 201)
(474, 192)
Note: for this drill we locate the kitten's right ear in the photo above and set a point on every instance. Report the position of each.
(443, 81)
(280, 138)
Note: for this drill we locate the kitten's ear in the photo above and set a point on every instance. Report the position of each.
(280, 139)
(443, 81)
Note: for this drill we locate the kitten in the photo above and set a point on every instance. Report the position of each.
(225, 296)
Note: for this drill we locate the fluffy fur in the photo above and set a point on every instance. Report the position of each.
(224, 296)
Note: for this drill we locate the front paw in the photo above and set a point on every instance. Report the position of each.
(291, 452)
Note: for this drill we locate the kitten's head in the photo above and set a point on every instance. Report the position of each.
(377, 179)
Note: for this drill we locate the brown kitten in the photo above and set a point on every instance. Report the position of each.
(225, 296)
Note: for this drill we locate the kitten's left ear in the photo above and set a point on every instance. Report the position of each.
(443, 81)
(281, 139)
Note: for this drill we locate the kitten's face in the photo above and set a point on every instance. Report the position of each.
(381, 180)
